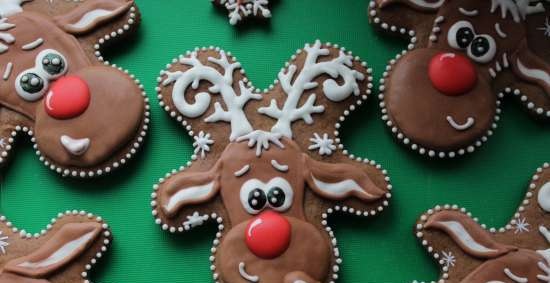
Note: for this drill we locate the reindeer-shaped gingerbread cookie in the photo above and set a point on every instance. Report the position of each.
(64, 252)
(86, 117)
(441, 97)
(516, 253)
(268, 173)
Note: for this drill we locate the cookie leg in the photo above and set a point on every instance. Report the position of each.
(299, 277)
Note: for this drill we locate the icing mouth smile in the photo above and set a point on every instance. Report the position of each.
(245, 275)
(461, 127)
(76, 147)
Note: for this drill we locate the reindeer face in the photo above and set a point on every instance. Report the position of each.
(266, 191)
(83, 114)
(442, 95)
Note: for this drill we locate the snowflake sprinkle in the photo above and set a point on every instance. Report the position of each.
(448, 259)
(324, 144)
(3, 243)
(202, 144)
(521, 226)
(546, 28)
(195, 220)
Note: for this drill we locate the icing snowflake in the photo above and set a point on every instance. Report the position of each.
(244, 8)
(195, 220)
(521, 226)
(448, 259)
(202, 144)
(323, 144)
(3, 243)
(546, 28)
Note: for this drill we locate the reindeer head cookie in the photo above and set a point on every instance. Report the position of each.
(268, 173)
(516, 253)
(441, 97)
(87, 117)
(64, 252)
(238, 10)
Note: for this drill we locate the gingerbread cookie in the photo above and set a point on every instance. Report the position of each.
(469, 252)
(268, 167)
(441, 97)
(85, 116)
(64, 252)
(238, 10)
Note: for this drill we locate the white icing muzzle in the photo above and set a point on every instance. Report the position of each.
(75, 147)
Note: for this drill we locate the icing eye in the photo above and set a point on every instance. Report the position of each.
(30, 86)
(276, 197)
(482, 49)
(257, 199)
(461, 35)
(52, 63)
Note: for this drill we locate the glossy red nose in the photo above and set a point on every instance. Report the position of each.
(268, 235)
(452, 74)
(68, 97)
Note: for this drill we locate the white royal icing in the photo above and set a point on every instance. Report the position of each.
(262, 140)
(340, 189)
(533, 73)
(461, 127)
(514, 277)
(426, 4)
(245, 275)
(61, 254)
(242, 171)
(11, 7)
(6, 37)
(3, 243)
(294, 85)
(202, 144)
(464, 237)
(276, 182)
(519, 10)
(90, 18)
(469, 13)
(238, 9)
(189, 194)
(278, 166)
(75, 147)
(543, 197)
(33, 45)
(324, 144)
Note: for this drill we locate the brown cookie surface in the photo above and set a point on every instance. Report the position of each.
(64, 252)
(441, 96)
(85, 116)
(470, 252)
(268, 167)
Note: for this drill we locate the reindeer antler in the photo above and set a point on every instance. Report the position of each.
(221, 83)
(295, 85)
(519, 9)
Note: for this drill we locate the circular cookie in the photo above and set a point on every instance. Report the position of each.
(268, 167)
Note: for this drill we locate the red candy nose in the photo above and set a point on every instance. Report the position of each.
(68, 97)
(268, 235)
(452, 74)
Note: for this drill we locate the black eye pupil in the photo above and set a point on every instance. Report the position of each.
(31, 83)
(53, 64)
(276, 197)
(480, 46)
(464, 36)
(257, 199)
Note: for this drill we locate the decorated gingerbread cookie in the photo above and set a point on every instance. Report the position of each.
(268, 167)
(65, 251)
(469, 252)
(85, 116)
(441, 96)
(239, 10)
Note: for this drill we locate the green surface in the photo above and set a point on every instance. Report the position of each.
(490, 183)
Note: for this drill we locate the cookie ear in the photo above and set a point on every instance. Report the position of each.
(339, 181)
(68, 243)
(91, 14)
(467, 234)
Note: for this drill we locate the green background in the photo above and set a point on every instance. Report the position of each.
(490, 183)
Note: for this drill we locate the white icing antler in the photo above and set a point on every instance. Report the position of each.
(519, 9)
(247, 8)
(294, 86)
(4, 36)
(221, 83)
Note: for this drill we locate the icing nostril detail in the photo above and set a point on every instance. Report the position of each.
(268, 235)
(67, 98)
(452, 74)
(75, 147)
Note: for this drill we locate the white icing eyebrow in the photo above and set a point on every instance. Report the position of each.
(469, 13)
(279, 167)
(33, 45)
(7, 71)
(242, 171)
(499, 30)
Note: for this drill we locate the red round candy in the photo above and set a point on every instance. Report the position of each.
(68, 97)
(268, 235)
(452, 74)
